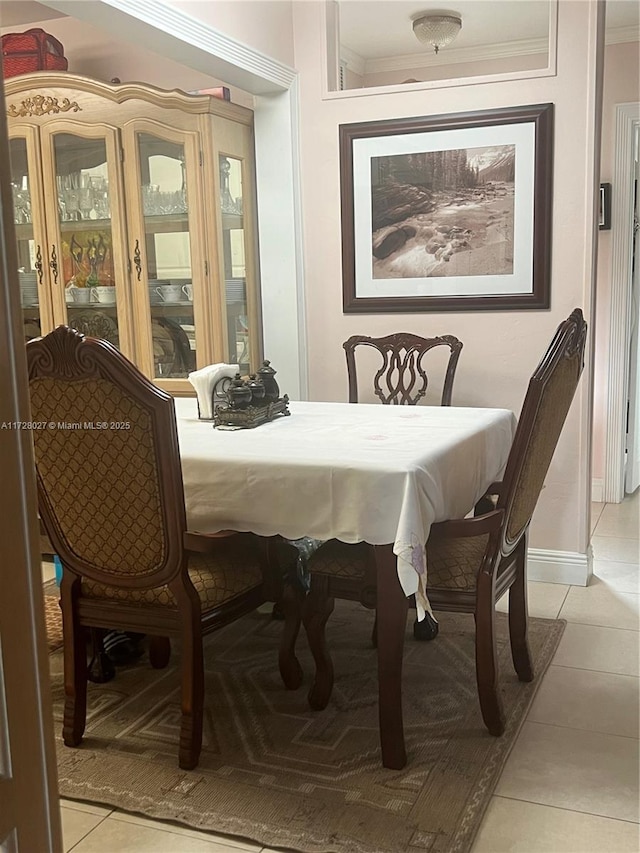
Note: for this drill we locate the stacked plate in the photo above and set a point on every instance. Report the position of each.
(236, 289)
(28, 288)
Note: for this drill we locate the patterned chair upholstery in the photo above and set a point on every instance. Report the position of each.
(471, 562)
(401, 377)
(111, 500)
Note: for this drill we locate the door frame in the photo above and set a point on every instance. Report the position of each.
(29, 813)
(627, 123)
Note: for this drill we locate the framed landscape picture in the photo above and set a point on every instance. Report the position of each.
(447, 213)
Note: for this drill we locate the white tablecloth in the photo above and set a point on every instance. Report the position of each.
(354, 472)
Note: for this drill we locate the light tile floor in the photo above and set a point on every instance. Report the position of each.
(570, 784)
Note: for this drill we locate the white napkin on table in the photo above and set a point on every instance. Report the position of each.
(203, 381)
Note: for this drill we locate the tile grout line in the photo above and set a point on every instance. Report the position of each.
(70, 804)
(563, 601)
(173, 830)
(578, 729)
(610, 627)
(586, 669)
(599, 625)
(87, 834)
(562, 808)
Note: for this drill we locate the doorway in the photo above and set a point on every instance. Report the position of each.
(632, 456)
(622, 395)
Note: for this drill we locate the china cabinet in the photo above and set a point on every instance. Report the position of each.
(135, 220)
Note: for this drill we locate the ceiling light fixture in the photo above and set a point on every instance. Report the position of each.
(436, 28)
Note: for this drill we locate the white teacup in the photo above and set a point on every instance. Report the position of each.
(170, 292)
(81, 294)
(103, 293)
(187, 289)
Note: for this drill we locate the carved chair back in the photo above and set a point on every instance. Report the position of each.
(544, 411)
(402, 378)
(108, 469)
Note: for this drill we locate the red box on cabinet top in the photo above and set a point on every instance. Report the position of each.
(33, 50)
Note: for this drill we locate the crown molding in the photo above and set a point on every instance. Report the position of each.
(522, 47)
(353, 60)
(259, 69)
(424, 59)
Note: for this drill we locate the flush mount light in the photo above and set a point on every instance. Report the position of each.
(437, 29)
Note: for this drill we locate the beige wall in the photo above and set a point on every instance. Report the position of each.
(93, 54)
(500, 349)
(265, 25)
(621, 86)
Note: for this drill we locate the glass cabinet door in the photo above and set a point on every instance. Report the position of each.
(234, 262)
(166, 247)
(237, 240)
(28, 216)
(87, 258)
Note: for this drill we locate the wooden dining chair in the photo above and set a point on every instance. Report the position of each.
(471, 562)
(401, 377)
(171, 347)
(111, 498)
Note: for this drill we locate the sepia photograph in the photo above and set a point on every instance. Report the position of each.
(443, 213)
(447, 212)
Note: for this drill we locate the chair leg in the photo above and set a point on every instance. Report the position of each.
(316, 609)
(291, 607)
(159, 652)
(374, 630)
(425, 630)
(192, 696)
(392, 624)
(277, 611)
(101, 669)
(518, 617)
(75, 672)
(486, 658)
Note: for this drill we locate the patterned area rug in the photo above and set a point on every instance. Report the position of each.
(277, 773)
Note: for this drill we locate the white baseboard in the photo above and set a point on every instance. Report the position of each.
(568, 567)
(597, 491)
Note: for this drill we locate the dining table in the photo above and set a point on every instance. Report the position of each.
(357, 473)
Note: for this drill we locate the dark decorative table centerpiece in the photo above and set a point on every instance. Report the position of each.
(251, 402)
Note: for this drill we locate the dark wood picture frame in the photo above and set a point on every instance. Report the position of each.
(604, 221)
(526, 132)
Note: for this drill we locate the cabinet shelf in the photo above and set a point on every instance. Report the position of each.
(232, 222)
(24, 231)
(92, 306)
(164, 223)
(69, 226)
(156, 224)
(171, 307)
